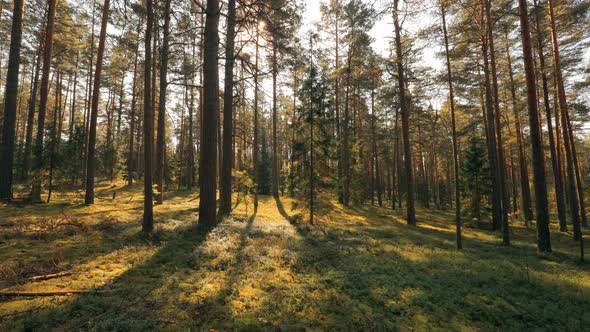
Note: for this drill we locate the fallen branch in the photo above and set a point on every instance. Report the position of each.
(52, 293)
(51, 276)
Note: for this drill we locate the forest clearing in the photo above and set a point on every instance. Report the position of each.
(294, 165)
(359, 268)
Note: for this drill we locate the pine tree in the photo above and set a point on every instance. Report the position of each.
(91, 162)
(7, 144)
(208, 159)
(475, 176)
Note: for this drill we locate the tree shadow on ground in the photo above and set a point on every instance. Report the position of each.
(361, 269)
(428, 283)
(131, 300)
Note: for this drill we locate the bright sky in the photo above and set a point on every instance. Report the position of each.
(382, 31)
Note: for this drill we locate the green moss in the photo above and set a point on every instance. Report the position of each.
(361, 268)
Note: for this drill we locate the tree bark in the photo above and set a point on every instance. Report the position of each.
(255, 144)
(275, 165)
(345, 181)
(524, 174)
(571, 177)
(559, 196)
(161, 136)
(491, 131)
(148, 132)
(55, 131)
(453, 130)
(130, 158)
(228, 113)
(10, 103)
(542, 208)
(73, 108)
(208, 160)
(91, 162)
(498, 127)
(31, 117)
(411, 212)
(48, 47)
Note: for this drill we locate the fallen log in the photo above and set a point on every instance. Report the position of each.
(50, 293)
(51, 276)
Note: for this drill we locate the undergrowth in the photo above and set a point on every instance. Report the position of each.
(357, 268)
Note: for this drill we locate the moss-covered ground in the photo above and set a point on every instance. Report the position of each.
(358, 268)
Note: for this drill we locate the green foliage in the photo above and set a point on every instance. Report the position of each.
(475, 175)
(315, 113)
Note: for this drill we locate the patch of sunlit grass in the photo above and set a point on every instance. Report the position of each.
(356, 268)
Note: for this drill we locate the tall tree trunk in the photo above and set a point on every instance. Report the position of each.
(275, 165)
(31, 117)
(73, 108)
(55, 132)
(130, 170)
(311, 145)
(292, 159)
(411, 212)
(207, 208)
(89, 86)
(375, 179)
(541, 208)
(571, 177)
(228, 113)
(155, 47)
(10, 103)
(498, 127)
(561, 210)
(337, 101)
(255, 145)
(491, 130)
(453, 130)
(38, 151)
(395, 179)
(91, 162)
(345, 182)
(161, 139)
(148, 131)
(190, 169)
(524, 174)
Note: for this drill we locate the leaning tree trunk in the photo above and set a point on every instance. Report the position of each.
(569, 149)
(228, 97)
(161, 139)
(10, 103)
(542, 208)
(38, 152)
(207, 208)
(91, 160)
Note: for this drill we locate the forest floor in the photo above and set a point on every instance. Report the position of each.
(358, 268)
